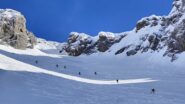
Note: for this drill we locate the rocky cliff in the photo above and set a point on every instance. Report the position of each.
(13, 30)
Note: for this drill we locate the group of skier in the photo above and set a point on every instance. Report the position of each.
(79, 73)
(95, 73)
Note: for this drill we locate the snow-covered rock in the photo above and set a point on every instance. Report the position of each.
(81, 43)
(152, 33)
(13, 30)
(50, 47)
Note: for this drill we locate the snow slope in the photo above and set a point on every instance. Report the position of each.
(39, 76)
(14, 65)
(47, 84)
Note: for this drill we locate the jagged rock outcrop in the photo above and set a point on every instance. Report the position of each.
(155, 33)
(13, 30)
(80, 43)
(106, 40)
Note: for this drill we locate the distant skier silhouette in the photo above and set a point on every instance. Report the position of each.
(95, 73)
(153, 91)
(60, 51)
(36, 61)
(117, 81)
(57, 65)
(79, 73)
(65, 67)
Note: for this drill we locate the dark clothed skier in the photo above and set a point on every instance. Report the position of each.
(36, 61)
(153, 91)
(57, 65)
(117, 81)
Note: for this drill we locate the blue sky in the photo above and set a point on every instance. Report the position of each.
(55, 19)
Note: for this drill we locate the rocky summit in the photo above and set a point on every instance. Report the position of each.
(13, 30)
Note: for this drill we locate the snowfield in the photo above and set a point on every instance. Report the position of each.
(14, 65)
(111, 68)
(22, 80)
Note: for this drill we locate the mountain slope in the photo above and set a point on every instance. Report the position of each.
(153, 33)
(49, 84)
(15, 65)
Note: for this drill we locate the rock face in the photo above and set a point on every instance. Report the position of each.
(106, 40)
(80, 43)
(157, 32)
(13, 30)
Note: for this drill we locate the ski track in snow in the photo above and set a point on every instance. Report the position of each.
(100, 82)
(15, 65)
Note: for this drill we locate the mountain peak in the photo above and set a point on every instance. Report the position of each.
(178, 6)
(9, 13)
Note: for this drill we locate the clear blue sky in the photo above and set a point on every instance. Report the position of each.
(54, 19)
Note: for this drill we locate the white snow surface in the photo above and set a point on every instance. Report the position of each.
(24, 81)
(9, 13)
(14, 65)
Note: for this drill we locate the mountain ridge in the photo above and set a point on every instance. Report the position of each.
(152, 33)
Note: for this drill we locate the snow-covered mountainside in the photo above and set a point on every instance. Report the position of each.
(111, 68)
(152, 33)
(34, 76)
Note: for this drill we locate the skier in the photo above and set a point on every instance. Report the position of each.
(36, 61)
(153, 91)
(79, 73)
(117, 81)
(60, 51)
(65, 67)
(57, 65)
(95, 73)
